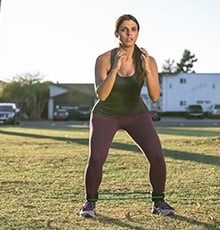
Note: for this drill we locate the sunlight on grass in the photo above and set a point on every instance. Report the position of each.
(42, 169)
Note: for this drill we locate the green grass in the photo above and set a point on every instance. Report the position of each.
(41, 180)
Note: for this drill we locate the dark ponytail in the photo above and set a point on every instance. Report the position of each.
(140, 73)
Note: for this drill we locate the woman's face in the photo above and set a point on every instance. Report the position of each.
(127, 33)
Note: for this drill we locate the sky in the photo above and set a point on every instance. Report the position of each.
(61, 40)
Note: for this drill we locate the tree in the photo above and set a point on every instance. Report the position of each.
(29, 92)
(169, 66)
(185, 64)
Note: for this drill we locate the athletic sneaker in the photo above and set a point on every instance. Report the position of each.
(162, 208)
(88, 209)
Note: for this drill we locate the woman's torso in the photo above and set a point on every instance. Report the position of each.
(124, 98)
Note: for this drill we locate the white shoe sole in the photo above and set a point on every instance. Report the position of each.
(87, 213)
(164, 212)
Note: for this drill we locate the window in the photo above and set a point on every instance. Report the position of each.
(182, 80)
(182, 103)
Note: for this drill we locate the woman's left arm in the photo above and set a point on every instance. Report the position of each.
(152, 80)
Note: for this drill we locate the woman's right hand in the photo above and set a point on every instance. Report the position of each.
(104, 80)
(120, 55)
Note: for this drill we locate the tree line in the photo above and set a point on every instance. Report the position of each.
(29, 92)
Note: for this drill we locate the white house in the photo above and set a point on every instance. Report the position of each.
(179, 91)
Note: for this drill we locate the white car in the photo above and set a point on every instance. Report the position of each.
(8, 113)
(214, 110)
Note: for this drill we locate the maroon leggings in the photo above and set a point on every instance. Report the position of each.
(140, 128)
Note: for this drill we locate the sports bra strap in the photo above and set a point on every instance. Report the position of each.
(113, 53)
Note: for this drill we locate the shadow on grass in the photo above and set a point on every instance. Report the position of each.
(196, 157)
(132, 218)
(195, 222)
(186, 156)
(189, 132)
(113, 221)
(82, 141)
(180, 155)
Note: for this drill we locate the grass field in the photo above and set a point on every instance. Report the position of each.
(41, 180)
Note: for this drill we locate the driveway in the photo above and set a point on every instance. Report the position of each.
(178, 122)
(165, 121)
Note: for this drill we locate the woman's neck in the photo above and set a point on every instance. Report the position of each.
(128, 50)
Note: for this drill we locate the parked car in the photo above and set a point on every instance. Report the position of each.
(155, 115)
(9, 113)
(61, 115)
(214, 111)
(83, 112)
(194, 111)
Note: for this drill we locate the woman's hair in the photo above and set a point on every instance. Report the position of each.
(140, 73)
(123, 18)
(137, 52)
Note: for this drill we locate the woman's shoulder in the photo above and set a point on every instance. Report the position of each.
(106, 55)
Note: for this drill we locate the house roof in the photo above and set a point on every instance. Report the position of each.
(86, 88)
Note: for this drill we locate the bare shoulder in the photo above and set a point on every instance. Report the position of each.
(103, 61)
(152, 59)
(104, 57)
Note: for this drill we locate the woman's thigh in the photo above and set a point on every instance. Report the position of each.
(102, 131)
(142, 131)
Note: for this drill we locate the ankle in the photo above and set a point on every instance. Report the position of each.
(157, 197)
(92, 198)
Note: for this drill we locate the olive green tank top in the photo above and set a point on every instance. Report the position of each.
(124, 98)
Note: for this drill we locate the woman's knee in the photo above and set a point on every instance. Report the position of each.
(96, 161)
(156, 158)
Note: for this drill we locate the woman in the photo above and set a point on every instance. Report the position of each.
(119, 76)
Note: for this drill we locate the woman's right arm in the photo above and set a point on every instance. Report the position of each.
(104, 81)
